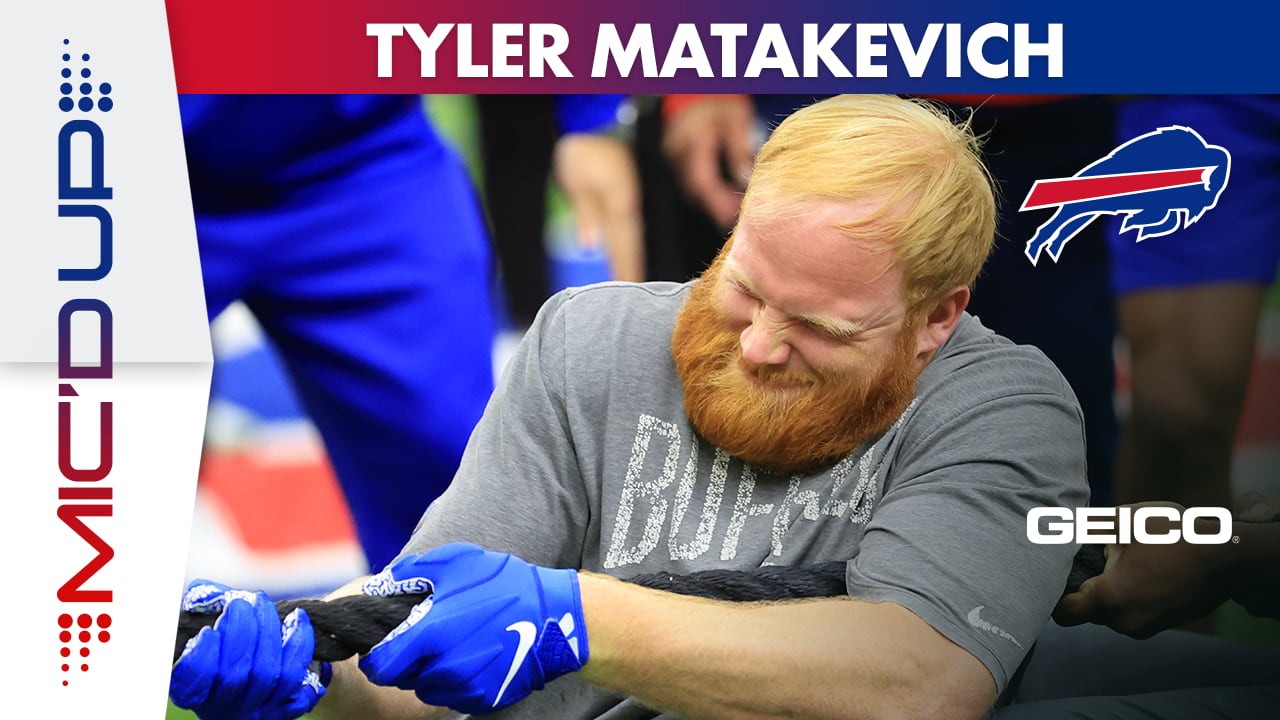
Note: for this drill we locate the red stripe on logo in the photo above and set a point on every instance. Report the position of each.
(1048, 193)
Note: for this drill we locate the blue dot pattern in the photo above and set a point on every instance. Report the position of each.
(87, 102)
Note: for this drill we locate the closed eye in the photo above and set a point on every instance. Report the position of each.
(819, 329)
(841, 332)
(743, 289)
(740, 287)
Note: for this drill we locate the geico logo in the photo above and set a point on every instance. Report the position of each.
(1061, 525)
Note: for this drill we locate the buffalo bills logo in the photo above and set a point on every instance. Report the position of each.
(1159, 182)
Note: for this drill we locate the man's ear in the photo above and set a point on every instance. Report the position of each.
(940, 319)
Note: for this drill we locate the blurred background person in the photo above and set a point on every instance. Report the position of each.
(353, 235)
(582, 143)
(348, 274)
(1190, 304)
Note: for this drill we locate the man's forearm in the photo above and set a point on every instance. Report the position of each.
(352, 697)
(815, 659)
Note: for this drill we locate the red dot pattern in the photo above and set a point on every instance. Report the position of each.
(85, 636)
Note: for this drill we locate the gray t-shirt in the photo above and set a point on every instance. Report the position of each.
(584, 459)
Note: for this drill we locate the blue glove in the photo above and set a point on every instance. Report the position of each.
(495, 629)
(247, 666)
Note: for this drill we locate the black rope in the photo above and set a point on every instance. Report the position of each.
(343, 627)
(351, 625)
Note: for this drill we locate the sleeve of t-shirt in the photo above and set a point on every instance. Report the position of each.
(518, 488)
(948, 538)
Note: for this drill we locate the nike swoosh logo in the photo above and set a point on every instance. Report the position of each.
(528, 633)
(976, 620)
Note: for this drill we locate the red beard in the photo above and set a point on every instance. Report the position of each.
(790, 423)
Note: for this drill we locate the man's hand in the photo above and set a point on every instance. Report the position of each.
(247, 666)
(495, 629)
(696, 139)
(599, 178)
(1146, 588)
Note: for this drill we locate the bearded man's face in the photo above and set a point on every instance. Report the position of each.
(792, 357)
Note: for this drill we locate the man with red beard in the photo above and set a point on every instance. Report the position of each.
(819, 394)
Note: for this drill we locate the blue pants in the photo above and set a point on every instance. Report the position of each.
(372, 277)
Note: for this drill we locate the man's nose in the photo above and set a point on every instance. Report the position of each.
(764, 341)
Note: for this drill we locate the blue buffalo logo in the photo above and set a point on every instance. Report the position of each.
(1159, 182)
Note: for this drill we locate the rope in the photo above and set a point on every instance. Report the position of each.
(352, 625)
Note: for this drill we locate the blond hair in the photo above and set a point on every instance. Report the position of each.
(940, 214)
